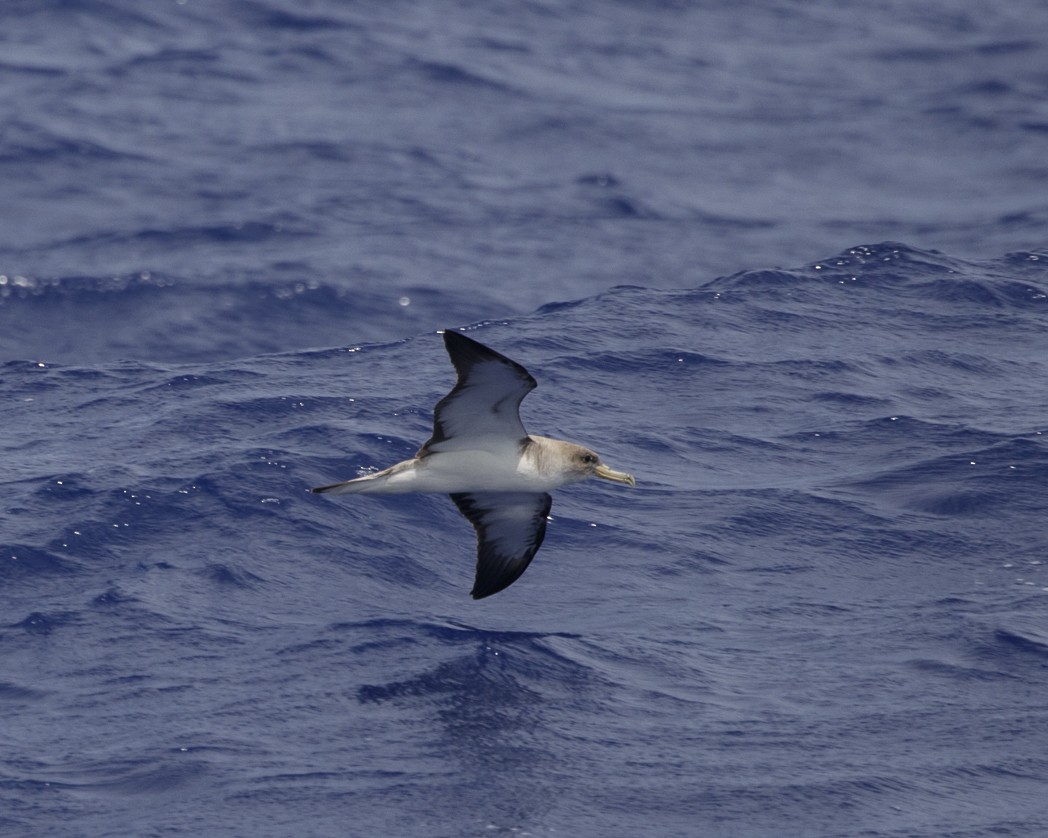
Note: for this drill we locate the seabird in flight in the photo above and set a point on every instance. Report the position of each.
(498, 475)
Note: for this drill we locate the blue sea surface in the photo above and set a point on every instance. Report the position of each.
(785, 262)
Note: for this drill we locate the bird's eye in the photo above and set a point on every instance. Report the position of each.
(589, 459)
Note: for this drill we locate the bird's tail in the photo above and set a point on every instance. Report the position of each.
(347, 487)
(336, 488)
(377, 483)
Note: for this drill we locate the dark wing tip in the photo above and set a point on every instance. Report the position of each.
(488, 582)
(496, 574)
(480, 593)
(465, 352)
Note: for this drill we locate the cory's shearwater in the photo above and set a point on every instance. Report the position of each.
(497, 474)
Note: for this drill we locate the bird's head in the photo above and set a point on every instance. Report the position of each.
(589, 464)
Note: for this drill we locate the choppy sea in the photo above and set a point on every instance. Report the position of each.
(786, 262)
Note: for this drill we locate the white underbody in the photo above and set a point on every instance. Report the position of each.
(498, 468)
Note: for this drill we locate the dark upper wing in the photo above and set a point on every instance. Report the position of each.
(484, 404)
(510, 527)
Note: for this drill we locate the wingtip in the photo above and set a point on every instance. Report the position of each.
(465, 351)
(489, 581)
(483, 593)
(453, 336)
(485, 587)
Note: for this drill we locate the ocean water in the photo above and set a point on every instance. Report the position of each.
(786, 263)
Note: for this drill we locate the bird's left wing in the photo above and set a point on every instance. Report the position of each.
(510, 527)
(482, 410)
